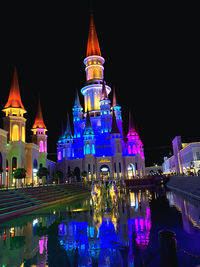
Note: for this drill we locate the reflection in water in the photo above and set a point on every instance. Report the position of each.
(190, 211)
(112, 228)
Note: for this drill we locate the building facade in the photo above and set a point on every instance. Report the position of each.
(98, 145)
(186, 158)
(15, 152)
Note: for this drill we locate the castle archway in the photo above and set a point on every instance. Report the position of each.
(104, 172)
(77, 173)
(131, 170)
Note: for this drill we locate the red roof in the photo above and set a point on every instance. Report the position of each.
(39, 123)
(93, 48)
(14, 99)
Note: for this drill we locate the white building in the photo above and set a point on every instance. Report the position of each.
(186, 158)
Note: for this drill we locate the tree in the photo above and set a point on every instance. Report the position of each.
(19, 173)
(70, 175)
(58, 176)
(42, 172)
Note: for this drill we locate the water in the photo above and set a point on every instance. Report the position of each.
(107, 233)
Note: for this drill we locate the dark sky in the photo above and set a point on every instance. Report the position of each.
(151, 56)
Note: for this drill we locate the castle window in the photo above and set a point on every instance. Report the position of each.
(41, 149)
(120, 167)
(15, 132)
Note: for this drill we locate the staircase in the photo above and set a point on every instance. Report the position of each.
(19, 201)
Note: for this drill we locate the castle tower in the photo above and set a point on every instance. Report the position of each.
(68, 140)
(117, 110)
(115, 137)
(15, 124)
(94, 72)
(105, 111)
(77, 116)
(14, 121)
(133, 138)
(39, 136)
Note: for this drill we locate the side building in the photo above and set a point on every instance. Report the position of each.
(98, 145)
(186, 158)
(15, 152)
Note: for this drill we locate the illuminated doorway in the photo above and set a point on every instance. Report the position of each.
(131, 171)
(104, 172)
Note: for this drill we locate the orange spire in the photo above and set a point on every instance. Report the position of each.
(39, 123)
(93, 48)
(14, 99)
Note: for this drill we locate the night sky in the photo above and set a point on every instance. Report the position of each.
(151, 57)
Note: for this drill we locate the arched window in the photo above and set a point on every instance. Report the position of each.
(87, 149)
(15, 132)
(59, 156)
(129, 149)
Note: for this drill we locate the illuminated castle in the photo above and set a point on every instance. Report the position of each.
(98, 145)
(15, 152)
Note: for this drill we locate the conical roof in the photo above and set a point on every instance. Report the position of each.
(39, 122)
(104, 94)
(14, 99)
(77, 100)
(114, 128)
(88, 126)
(114, 102)
(68, 132)
(93, 48)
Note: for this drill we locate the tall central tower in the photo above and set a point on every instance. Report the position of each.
(94, 72)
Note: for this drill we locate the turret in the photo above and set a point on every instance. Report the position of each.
(14, 122)
(39, 136)
(77, 116)
(117, 110)
(115, 137)
(68, 140)
(105, 111)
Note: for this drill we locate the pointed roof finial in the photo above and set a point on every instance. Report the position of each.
(68, 132)
(114, 128)
(131, 131)
(77, 100)
(39, 122)
(88, 126)
(14, 99)
(104, 94)
(93, 48)
(114, 102)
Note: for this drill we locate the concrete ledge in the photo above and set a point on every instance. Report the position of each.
(187, 185)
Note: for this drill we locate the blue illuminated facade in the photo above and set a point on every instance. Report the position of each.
(98, 144)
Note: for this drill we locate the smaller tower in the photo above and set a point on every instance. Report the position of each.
(115, 137)
(39, 136)
(105, 111)
(89, 140)
(117, 110)
(77, 116)
(134, 144)
(68, 152)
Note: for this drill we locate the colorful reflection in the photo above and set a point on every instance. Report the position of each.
(103, 229)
